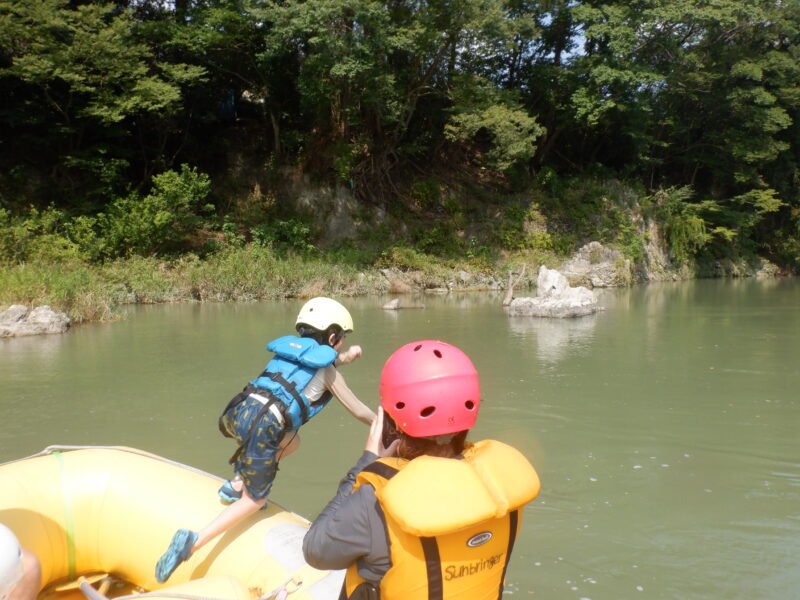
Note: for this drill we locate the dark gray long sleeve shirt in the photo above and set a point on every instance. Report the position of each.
(351, 529)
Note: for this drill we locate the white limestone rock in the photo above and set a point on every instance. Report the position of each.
(392, 304)
(555, 298)
(17, 321)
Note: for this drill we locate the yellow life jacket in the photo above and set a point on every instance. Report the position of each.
(451, 523)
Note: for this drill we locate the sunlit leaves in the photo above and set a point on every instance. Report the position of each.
(84, 60)
(513, 133)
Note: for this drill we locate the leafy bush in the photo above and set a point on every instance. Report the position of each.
(39, 237)
(289, 235)
(684, 228)
(426, 193)
(403, 258)
(161, 220)
(513, 133)
(439, 239)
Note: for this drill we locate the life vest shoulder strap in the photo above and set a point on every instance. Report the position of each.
(379, 472)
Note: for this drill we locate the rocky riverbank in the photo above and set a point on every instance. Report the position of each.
(92, 293)
(17, 320)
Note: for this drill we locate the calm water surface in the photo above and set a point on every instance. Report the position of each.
(665, 428)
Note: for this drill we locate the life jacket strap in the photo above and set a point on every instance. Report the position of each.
(292, 389)
(271, 404)
(512, 536)
(433, 567)
(380, 469)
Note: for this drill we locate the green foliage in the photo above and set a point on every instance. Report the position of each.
(88, 51)
(38, 237)
(158, 221)
(289, 235)
(684, 228)
(513, 133)
(426, 193)
(438, 239)
(344, 161)
(98, 95)
(231, 234)
(403, 258)
(80, 83)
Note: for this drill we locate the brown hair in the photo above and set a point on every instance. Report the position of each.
(412, 447)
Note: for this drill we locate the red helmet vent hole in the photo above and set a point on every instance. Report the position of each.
(469, 404)
(427, 412)
(416, 348)
(400, 405)
(437, 354)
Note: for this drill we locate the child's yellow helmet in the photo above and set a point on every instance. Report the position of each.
(320, 313)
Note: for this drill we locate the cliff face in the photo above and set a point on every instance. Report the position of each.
(516, 226)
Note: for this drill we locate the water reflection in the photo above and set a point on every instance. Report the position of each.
(556, 338)
(664, 428)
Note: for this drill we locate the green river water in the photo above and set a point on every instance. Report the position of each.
(664, 428)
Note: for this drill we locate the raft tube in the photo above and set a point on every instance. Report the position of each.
(113, 510)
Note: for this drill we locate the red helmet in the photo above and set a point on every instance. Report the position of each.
(430, 388)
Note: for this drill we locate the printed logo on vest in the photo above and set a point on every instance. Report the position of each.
(468, 570)
(479, 539)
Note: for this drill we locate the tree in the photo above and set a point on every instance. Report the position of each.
(77, 77)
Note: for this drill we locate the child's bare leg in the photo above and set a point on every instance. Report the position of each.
(232, 515)
(289, 444)
(236, 483)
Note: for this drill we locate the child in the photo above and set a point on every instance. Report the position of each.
(264, 418)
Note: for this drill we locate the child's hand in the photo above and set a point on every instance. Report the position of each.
(353, 352)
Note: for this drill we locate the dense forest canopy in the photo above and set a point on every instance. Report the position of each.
(116, 111)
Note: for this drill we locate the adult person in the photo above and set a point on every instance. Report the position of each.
(427, 515)
(20, 570)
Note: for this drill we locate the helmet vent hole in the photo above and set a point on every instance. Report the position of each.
(437, 353)
(416, 348)
(400, 405)
(469, 404)
(427, 412)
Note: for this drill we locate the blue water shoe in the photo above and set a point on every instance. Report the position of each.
(228, 494)
(180, 549)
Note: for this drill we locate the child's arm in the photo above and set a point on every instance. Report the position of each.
(352, 353)
(337, 386)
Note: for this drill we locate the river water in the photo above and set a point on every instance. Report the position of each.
(664, 428)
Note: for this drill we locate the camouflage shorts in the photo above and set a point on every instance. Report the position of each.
(257, 462)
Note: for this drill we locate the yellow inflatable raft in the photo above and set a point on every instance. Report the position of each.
(105, 515)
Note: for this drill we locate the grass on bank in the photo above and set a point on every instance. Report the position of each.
(92, 292)
(169, 245)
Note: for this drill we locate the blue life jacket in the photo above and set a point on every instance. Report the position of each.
(295, 363)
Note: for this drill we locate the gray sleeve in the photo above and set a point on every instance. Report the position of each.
(350, 529)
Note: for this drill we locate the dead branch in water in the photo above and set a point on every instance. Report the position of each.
(512, 283)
